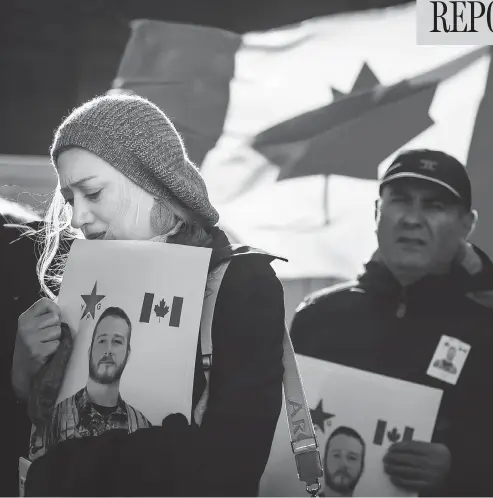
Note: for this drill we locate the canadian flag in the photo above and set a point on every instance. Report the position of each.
(161, 309)
(393, 435)
(289, 126)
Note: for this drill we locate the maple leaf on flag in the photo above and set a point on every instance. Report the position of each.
(322, 141)
(394, 436)
(162, 309)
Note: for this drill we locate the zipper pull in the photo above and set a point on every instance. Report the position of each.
(402, 307)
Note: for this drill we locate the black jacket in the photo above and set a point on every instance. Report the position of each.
(19, 289)
(358, 325)
(228, 453)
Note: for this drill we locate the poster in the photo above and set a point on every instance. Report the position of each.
(357, 415)
(133, 309)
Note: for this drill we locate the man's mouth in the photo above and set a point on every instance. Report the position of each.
(413, 241)
(107, 362)
(95, 236)
(342, 475)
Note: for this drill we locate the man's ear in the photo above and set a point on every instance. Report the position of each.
(470, 221)
(377, 209)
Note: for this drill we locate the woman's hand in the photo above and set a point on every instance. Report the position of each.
(37, 339)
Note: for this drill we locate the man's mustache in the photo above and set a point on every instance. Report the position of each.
(343, 473)
(106, 359)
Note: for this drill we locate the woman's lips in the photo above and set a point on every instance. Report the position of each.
(95, 236)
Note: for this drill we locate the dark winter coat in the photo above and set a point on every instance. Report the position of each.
(375, 324)
(228, 453)
(19, 289)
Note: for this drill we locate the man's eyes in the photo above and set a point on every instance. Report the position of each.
(430, 204)
(399, 198)
(437, 205)
(115, 341)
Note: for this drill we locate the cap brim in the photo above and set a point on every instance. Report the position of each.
(421, 177)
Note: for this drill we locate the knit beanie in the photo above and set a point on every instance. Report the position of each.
(138, 139)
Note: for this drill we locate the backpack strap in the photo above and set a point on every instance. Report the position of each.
(303, 439)
(212, 289)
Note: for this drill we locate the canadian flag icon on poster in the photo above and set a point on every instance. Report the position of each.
(383, 433)
(161, 309)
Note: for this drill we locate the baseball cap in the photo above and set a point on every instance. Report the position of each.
(433, 166)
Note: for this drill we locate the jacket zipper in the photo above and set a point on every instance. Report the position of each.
(402, 306)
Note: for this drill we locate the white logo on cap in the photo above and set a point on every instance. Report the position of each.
(428, 165)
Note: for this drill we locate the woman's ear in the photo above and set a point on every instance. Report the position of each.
(176, 228)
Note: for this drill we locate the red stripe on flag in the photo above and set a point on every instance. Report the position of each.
(185, 70)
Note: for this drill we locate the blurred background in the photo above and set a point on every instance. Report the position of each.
(290, 108)
(55, 54)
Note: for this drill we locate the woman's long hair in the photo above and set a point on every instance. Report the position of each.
(57, 232)
(55, 238)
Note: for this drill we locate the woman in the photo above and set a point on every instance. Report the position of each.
(124, 174)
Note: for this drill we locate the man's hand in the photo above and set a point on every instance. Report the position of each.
(37, 339)
(417, 466)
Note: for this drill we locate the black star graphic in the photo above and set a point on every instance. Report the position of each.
(91, 301)
(319, 417)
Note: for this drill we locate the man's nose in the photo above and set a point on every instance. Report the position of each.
(413, 214)
(108, 350)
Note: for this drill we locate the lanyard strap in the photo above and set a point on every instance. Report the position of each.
(303, 439)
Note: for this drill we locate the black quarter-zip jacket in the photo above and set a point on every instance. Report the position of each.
(377, 325)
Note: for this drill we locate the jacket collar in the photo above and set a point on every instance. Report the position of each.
(223, 250)
(471, 274)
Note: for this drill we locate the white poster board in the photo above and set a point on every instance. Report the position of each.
(356, 412)
(133, 309)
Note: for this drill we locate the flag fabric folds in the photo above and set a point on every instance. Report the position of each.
(292, 127)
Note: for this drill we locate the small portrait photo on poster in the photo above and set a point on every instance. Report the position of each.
(98, 406)
(344, 461)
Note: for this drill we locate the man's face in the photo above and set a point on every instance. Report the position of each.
(110, 349)
(420, 226)
(344, 463)
(451, 352)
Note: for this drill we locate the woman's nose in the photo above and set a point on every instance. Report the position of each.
(80, 214)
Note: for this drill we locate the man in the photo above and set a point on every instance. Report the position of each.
(98, 407)
(447, 363)
(424, 285)
(344, 462)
